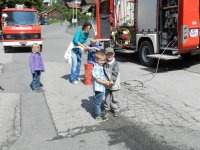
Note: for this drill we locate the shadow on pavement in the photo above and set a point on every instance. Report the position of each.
(66, 77)
(127, 57)
(18, 50)
(122, 130)
(88, 105)
(1, 88)
(173, 65)
(135, 136)
(164, 66)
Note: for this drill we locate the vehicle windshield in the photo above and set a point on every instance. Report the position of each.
(21, 18)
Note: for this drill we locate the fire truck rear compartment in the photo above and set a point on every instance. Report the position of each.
(168, 24)
(179, 25)
(178, 29)
(167, 30)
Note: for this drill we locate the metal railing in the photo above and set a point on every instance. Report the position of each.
(80, 23)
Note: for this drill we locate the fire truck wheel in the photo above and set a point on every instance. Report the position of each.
(40, 48)
(6, 49)
(145, 49)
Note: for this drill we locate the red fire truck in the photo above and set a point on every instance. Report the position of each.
(20, 27)
(156, 29)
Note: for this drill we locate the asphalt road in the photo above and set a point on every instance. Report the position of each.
(158, 111)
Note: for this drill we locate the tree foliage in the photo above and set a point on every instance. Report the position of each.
(11, 3)
(68, 13)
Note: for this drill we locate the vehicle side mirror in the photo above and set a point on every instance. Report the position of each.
(4, 15)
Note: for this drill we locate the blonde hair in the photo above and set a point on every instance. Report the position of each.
(100, 55)
(93, 40)
(35, 47)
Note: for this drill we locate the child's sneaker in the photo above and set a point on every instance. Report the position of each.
(39, 90)
(116, 114)
(75, 82)
(105, 118)
(98, 118)
(105, 115)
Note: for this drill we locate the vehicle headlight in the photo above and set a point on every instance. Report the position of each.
(36, 36)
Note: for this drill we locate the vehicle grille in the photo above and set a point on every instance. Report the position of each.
(21, 36)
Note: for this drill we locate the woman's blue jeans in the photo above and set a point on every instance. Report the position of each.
(76, 64)
(36, 80)
(98, 99)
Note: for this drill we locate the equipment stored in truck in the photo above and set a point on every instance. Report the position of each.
(156, 29)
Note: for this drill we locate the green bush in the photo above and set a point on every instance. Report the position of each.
(52, 21)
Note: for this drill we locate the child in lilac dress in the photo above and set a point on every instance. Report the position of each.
(36, 66)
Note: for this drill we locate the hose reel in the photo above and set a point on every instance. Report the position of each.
(121, 37)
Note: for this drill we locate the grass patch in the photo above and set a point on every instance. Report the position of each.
(52, 21)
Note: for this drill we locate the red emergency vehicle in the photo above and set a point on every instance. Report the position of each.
(20, 27)
(156, 29)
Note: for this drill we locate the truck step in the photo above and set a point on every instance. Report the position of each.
(164, 56)
(169, 48)
(124, 50)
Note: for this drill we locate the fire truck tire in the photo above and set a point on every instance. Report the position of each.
(146, 48)
(40, 48)
(6, 49)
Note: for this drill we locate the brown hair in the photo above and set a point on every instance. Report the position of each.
(85, 25)
(100, 55)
